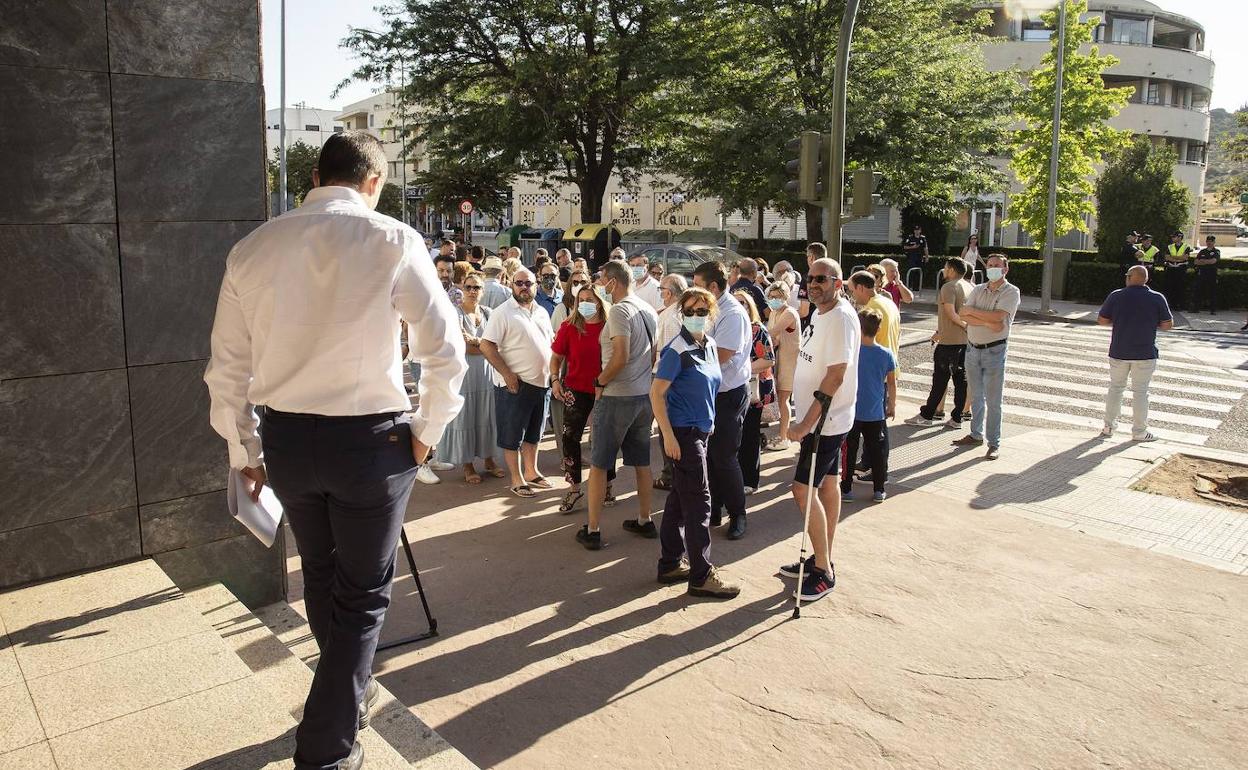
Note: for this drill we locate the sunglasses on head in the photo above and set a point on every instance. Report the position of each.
(522, 284)
(820, 278)
(698, 311)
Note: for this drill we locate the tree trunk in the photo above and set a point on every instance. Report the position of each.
(593, 186)
(814, 223)
(761, 209)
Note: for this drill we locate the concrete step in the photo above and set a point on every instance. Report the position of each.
(274, 643)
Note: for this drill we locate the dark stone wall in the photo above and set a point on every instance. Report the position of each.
(132, 137)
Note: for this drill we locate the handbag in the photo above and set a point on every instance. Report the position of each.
(771, 411)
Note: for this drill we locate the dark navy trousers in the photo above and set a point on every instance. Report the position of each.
(344, 483)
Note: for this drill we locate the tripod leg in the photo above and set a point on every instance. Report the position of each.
(420, 589)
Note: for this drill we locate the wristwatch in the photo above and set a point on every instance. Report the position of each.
(598, 384)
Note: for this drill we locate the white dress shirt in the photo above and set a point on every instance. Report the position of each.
(670, 323)
(523, 337)
(648, 290)
(493, 293)
(732, 332)
(308, 322)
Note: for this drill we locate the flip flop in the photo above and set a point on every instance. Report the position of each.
(541, 483)
(497, 473)
(523, 490)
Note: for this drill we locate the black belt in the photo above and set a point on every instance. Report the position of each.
(989, 345)
(270, 412)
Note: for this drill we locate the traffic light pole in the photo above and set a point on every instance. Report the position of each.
(835, 193)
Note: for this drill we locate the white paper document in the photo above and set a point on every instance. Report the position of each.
(260, 518)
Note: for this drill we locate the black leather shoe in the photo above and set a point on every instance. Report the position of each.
(717, 519)
(354, 760)
(736, 527)
(371, 693)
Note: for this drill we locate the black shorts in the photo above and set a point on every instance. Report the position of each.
(827, 459)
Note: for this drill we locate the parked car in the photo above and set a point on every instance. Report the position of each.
(684, 258)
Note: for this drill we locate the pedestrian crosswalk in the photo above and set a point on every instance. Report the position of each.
(1059, 374)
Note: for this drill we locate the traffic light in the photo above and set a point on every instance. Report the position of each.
(809, 168)
(865, 181)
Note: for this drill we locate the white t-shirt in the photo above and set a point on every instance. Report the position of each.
(831, 338)
(732, 332)
(648, 290)
(523, 338)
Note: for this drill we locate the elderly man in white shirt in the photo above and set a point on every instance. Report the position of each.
(307, 335)
(644, 285)
(517, 342)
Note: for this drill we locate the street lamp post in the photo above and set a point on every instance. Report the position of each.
(1050, 234)
(836, 171)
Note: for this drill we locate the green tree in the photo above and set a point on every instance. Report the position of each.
(923, 108)
(562, 89)
(478, 178)
(1085, 137)
(300, 160)
(1138, 191)
(1233, 154)
(390, 202)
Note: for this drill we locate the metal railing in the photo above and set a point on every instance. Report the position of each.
(911, 272)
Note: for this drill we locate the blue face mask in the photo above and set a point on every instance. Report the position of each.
(639, 272)
(587, 309)
(603, 294)
(696, 324)
(995, 273)
(775, 304)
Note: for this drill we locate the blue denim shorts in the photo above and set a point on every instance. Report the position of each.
(519, 415)
(621, 425)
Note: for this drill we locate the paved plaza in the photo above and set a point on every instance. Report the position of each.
(1028, 612)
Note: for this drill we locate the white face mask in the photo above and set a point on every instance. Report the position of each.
(995, 273)
(639, 272)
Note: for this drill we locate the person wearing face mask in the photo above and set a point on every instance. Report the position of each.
(682, 397)
(576, 364)
(548, 293)
(1135, 314)
(644, 285)
(577, 280)
(563, 260)
(672, 288)
(988, 313)
(784, 326)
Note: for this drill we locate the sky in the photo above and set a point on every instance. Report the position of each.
(315, 63)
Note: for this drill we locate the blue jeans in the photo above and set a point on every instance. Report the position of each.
(985, 373)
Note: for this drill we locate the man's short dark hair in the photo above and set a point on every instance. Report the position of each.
(869, 320)
(350, 157)
(711, 273)
(816, 250)
(863, 278)
(748, 267)
(447, 242)
(617, 270)
(958, 264)
(997, 255)
(478, 253)
(439, 258)
(461, 253)
(1210, 238)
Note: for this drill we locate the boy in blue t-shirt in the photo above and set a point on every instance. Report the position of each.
(877, 401)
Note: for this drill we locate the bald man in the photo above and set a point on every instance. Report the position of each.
(1135, 313)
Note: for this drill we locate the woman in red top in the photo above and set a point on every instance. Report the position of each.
(576, 345)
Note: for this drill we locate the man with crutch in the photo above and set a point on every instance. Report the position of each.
(825, 387)
(307, 332)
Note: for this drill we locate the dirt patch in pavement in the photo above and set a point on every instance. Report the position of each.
(1185, 477)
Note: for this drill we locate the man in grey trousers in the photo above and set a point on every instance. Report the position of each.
(306, 337)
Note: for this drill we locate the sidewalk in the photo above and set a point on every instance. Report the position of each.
(1226, 321)
(975, 623)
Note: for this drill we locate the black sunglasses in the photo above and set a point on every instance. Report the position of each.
(522, 284)
(698, 311)
(470, 287)
(820, 278)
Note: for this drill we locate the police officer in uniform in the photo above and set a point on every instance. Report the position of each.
(1177, 257)
(1207, 275)
(915, 248)
(1130, 252)
(1148, 255)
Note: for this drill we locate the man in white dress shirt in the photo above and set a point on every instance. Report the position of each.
(307, 333)
(644, 285)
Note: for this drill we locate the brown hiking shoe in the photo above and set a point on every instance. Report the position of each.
(678, 574)
(968, 440)
(716, 586)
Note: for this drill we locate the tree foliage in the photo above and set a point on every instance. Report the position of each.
(301, 158)
(1085, 136)
(390, 202)
(1138, 191)
(922, 106)
(564, 89)
(478, 178)
(1233, 154)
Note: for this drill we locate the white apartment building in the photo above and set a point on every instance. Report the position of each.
(310, 125)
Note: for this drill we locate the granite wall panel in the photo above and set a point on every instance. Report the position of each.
(66, 34)
(188, 150)
(214, 41)
(72, 545)
(61, 293)
(186, 522)
(171, 273)
(57, 150)
(176, 452)
(65, 449)
(255, 574)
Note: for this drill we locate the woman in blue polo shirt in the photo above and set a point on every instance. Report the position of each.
(683, 399)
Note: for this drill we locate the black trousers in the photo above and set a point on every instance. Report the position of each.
(750, 455)
(874, 438)
(575, 418)
(1175, 283)
(723, 467)
(948, 363)
(1206, 292)
(344, 483)
(685, 527)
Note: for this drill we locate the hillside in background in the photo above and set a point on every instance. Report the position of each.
(1222, 127)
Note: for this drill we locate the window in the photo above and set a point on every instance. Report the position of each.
(1196, 153)
(1154, 96)
(338, 129)
(1130, 31)
(311, 127)
(370, 120)
(1035, 30)
(681, 262)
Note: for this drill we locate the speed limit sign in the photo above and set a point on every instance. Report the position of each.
(465, 207)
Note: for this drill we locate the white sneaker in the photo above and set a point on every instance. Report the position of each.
(1107, 431)
(425, 475)
(438, 465)
(919, 419)
(1145, 437)
(750, 490)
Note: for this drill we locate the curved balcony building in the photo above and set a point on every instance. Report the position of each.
(1160, 57)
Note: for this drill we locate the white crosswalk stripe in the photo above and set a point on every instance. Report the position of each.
(1059, 374)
